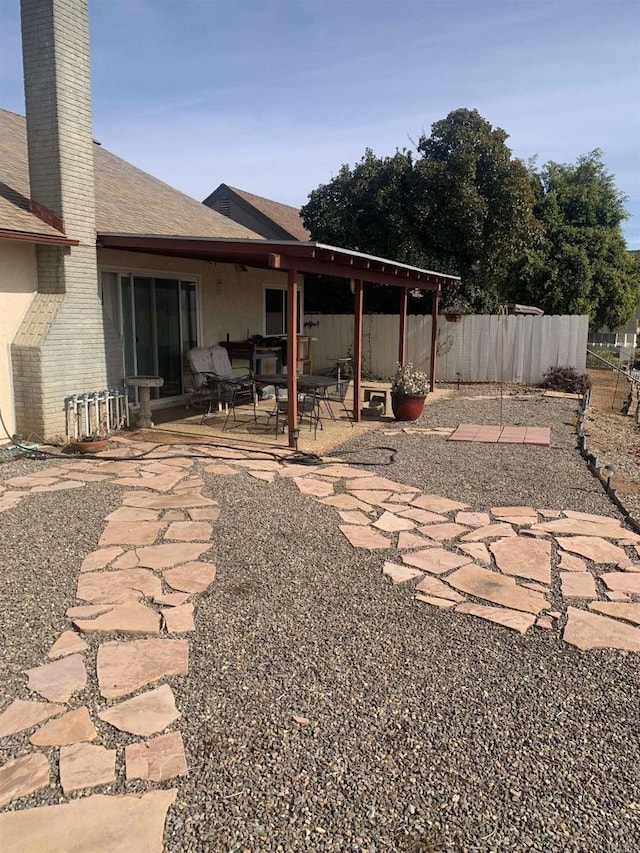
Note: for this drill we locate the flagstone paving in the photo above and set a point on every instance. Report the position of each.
(500, 566)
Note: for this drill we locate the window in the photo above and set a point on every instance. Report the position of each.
(275, 311)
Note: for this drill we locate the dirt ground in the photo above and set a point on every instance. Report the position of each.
(613, 436)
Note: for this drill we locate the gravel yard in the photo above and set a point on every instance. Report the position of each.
(426, 732)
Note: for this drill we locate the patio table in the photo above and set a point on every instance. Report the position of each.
(311, 384)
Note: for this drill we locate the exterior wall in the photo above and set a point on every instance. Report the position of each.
(231, 301)
(60, 347)
(17, 289)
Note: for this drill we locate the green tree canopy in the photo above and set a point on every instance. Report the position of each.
(460, 203)
(582, 265)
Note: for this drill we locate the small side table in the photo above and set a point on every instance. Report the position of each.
(144, 384)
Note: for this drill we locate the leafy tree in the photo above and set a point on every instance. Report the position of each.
(459, 205)
(582, 265)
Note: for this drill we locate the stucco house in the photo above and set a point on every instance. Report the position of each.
(271, 219)
(107, 272)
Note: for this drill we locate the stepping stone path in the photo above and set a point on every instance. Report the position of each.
(518, 567)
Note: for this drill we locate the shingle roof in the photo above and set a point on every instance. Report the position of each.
(284, 215)
(128, 200)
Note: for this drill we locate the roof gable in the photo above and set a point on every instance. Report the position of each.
(284, 216)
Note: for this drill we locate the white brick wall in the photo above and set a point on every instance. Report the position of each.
(60, 348)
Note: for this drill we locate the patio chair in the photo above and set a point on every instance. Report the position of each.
(212, 372)
(338, 394)
(308, 406)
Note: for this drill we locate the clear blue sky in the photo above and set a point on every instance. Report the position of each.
(274, 95)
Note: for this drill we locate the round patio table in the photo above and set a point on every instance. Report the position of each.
(144, 384)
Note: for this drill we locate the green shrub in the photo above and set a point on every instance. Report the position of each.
(565, 379)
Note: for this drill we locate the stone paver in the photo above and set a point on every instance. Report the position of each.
(179, 620)
(118, 586)
(587, 516)
(628, 612)
(130, 532)
(125, 667)
(132, 617)
(95, 824)
(593, 548)
(571, 563)
(132, 513)
(514, 619)
(515, 512)
(622, 581)
(491, 586)
(477, 550)
(424, 516)
(169, 555)
(347, 502)
(184, 500)
(588, 630)
(371, 496)
(473, 519)
(20, 777)
(189, 531)
(433, 586)
(73, 727)
(100, 558)
(87, 611)
(128, 560)
(435, 503)
(22, 715)
(144, 715)
(577, 527)
(442, 603)
(436, 561)
(354, 517)
(374, 483)
(59, 680)
(491, 531)
(443, 532)
(313, 486)
(525, 558)
(406, 540)
(85, 766)
(206, 514)
(399, 574)
(391, 523)
(191, 578)
(160, 759)
(578, 585)
(171, 599)
(364, 537)
(68, 643)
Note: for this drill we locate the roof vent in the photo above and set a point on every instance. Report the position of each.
(224, 206)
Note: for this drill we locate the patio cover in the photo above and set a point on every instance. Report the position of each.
(297, 257)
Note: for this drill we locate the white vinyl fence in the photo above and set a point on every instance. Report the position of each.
(478, 348)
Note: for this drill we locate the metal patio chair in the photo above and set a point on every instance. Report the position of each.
(213, 374)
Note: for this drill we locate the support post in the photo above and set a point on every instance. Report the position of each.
(434, 339)
(292, 358)
(357, 346)
(402, 349)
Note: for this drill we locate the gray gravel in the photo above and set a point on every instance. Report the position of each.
(427, 731)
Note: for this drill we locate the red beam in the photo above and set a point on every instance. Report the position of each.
(402, 349)
(292, 358)
(357, 346)
(434, 340)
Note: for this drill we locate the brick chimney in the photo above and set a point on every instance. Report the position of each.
(60, 347)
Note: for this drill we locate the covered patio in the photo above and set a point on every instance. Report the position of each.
(298, 258)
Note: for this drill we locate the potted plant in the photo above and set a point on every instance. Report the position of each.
(92, 442)
(455, 311)
(409, 389)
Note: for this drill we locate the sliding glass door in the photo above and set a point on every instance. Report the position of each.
(158, 322)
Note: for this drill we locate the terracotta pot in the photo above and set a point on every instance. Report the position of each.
(88, 446)
(453, 318)
(406, 408)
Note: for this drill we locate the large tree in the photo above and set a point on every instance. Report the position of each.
(582, 265)
(460, 204)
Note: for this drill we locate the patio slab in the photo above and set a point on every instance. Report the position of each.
(83, 765)
(144, 715)
(19, 777)
(24, 714)
(125, 667)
